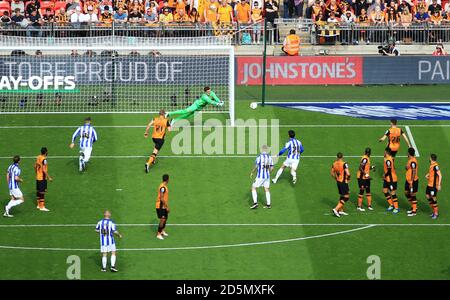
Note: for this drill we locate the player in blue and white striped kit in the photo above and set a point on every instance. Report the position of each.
(107, 229)
(13, 179)
(263, 168)
(88, 136)
(294, 148)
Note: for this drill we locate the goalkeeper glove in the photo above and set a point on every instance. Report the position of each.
(221, 103)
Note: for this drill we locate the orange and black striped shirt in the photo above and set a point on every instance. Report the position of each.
(338, 168)
(389, 169)
(162, 202)
(412, 170)
(433, 175)
(160, 126)
(41, 167)
(394, 135)
(365, 167)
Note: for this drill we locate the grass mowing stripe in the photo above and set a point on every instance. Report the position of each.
(229, 225)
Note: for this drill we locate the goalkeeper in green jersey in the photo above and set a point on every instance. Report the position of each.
(208, 97)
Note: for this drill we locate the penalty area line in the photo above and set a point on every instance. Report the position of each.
(411, 140)
(186, 156)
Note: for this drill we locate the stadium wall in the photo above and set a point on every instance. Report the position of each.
(343, 70)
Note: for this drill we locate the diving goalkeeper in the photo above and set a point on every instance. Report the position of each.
(208, 97)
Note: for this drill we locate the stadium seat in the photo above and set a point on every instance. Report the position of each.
(58, 5)
(5, 6)
(47, 4)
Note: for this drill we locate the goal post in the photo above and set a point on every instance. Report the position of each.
(114, 79)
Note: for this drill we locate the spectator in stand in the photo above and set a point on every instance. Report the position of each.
(333, 6)
(150, 4)
(348, 19)
(172, 4)
(419, 5)
(150, 17)
(243, 12)
(77, 17)
(256, 16)
(90, 4)
(48, 17)
(35, 23)
(31, 6)
(439, 50)
(121, 4)
(106, 16)
(319, 19)
(344, 6)
(317, 7)
(288, 9)
(61, 17)
(210, 12)
(18, 17)
(135, 16)
(363, 21)
(225, 13)
(446, 19)
(71, 6)
(194, 16)
(391, 16)
(5, 19)
(181, 16)
(271, 13)
(18, 4)
(376, 3)
(120, 16)
(436, 18)
(332, 18)
(358, 5)
(74, 53)
(166, 17)
(135, 4)
(422, 17)
(105, 5)
(434, 6)
(377, 17)
(180, 5)
(91, 16)
(403, 5)
(405, 17)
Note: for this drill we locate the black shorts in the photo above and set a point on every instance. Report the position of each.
(387, 185)
(393, 153)
(431, 191)
(415, 186)
(363, 183)
(162, 213)
(158, 143)
(343, 188)
(41, 186)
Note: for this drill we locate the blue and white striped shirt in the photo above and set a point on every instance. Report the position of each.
(87, 134)
(263, 163)
(106, 229)
(294, 148)
(13, 171)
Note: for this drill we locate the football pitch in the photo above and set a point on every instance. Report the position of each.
(213, 232)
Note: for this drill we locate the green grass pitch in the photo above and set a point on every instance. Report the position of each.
(216, 190)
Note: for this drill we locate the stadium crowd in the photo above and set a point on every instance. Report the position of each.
(139, 12)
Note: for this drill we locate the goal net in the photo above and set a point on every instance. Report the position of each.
(120, 78)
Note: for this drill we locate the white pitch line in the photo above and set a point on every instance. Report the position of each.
(233, 225)
(411, 140)
(237, 126)
(187, 156)
(200, 247)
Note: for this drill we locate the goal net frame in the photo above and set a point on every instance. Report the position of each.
(61, 50)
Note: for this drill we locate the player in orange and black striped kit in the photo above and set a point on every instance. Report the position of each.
(41, 169)
(364, 180)
(412, 181)
(434, 178)
(162, 207)
(390, 182)
(160, 125)
(341, 173)
(393, 135)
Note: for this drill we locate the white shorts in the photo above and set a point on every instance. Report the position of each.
(109, 248)
(259, 182)
(16, 193)
(87, 153)
(291, 163)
